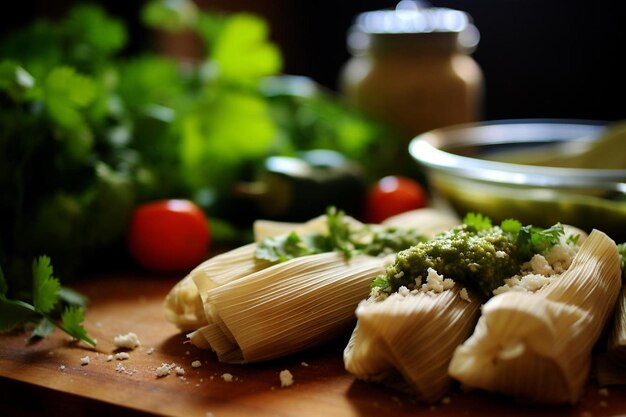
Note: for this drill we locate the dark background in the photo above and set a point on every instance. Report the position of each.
(541, 58)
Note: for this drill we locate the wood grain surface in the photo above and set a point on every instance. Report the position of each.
(48, 378)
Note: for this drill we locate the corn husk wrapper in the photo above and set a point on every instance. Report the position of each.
(183, 305)
(537, 346)
(611, 364)
(285, 308)
(407, 341)
(617, 337)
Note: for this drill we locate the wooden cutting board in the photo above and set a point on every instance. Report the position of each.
(47, 378)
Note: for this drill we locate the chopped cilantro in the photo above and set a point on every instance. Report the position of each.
(283, 248)
(341, 237)
(477, 221)
(511, 226)
(531, 240)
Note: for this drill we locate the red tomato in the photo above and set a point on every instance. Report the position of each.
(393, 195)
(168, 235)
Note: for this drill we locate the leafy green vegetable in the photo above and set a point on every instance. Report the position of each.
(45, 287)
(46, 296)
(477, 221)
(283, 248)
(342, 237)
(89, 129)
(531, 240)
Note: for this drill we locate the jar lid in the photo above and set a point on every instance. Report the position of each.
(413, 17)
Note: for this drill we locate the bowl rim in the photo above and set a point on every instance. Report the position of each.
(425, 150)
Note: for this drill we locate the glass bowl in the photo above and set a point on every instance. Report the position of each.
(464, 170)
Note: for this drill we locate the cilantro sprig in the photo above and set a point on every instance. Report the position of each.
(47, 296)
(341, 237)
(529, 239)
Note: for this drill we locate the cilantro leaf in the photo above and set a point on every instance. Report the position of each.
(72, 319)
(100, 35)
(380, 282)
(284, 248)
(170, 15)
(14, 313)
(531, 239)
(243, 52)
(339, 231)
(45, 287)
(66, 92)
(72, 297)
(511, 226)
(42, 329)
(477, 221)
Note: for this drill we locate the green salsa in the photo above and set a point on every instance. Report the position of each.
(481, 257)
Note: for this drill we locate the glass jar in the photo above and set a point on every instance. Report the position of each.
(411, 68)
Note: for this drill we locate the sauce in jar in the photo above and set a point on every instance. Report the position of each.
(411, 68)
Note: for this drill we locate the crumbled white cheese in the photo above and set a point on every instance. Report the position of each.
(179, 370)
(85, 360)
(525, 283)
(150, 351)
(127, 341)
(403, 291)
(501, 254)
(304, 364)
(540, 270)
(164, 369)
(109, 358)
(227, 377)
(61, 367)
(286, 378)
(540, 265)
(399, 275)
(560, 257)
(464, 295)
(120, 356)
(436, 283)
(196, 364)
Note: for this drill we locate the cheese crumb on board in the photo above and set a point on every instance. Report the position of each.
(164, 369)
(196, 364)
(85, 360)
(286, 378)
(179, 370)
(127, 341)
(227, 377)
(109, 358)
(121, 356)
